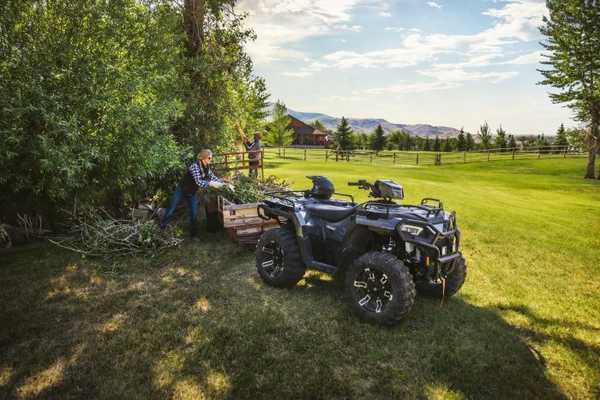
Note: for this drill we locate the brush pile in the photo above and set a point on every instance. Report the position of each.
(97, 234)
(248, 190)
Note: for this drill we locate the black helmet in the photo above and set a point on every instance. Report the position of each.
(322, 188)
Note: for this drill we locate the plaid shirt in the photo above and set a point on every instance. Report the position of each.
(201, 181)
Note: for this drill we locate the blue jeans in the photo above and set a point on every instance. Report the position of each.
(192, 202)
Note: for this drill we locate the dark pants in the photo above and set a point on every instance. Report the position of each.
(192, 202)
(253, 169)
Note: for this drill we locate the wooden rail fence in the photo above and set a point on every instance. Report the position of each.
(423, 157)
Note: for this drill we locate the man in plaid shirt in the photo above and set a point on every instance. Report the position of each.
(199, 175)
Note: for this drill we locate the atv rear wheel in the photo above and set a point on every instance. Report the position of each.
(278, 260)
(380, 288)
(454, 281)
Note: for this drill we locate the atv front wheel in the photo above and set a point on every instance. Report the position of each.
(380, 288)
(454, 281)
(278, 260)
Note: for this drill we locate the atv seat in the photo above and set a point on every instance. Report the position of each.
(329, 212)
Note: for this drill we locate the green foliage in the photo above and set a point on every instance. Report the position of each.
(216, 82)
(437, 145)
(100, 100)
(378, 140)
(469, 142)
(500, 140)
(447, 145)
(572, 33)
(512, 143)
(343, 135)
(319, 126)
(87, 95)
(561, 136)
(250, 190)
(427, 144)
(485, 136)
(461, 141)
(280, 133)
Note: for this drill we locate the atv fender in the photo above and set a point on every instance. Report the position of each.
(359, 241)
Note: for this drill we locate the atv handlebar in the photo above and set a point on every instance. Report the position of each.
(362, 184)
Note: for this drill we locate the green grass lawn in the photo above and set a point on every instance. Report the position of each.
(197, 322)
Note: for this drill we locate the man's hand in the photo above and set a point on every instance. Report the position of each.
(216, 184)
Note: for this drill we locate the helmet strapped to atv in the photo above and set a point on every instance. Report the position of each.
(322, 188)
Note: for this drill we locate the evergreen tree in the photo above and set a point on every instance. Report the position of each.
(469, 142)
(378, 142)
(427, 144)
(279, 133)
(447, 145)
(343, 135)
(319, 126)
(461, 141)
(485, 136)
(437, 146)
(561, 136)
(572, 33)
(501, 138)
(396, 140)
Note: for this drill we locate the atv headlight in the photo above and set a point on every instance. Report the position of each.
(412, 229)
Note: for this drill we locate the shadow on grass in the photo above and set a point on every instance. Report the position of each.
(196, 324)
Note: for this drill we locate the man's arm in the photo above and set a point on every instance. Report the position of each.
(195, 171)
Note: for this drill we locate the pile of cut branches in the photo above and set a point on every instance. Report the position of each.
(249, 190)
(98, 234)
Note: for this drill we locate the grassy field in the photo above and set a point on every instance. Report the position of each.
(198, 323)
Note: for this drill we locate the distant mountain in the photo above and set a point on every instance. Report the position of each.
(367, 125)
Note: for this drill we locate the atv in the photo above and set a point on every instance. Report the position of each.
(381, 251)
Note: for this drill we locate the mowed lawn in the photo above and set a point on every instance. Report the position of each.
(197, 322)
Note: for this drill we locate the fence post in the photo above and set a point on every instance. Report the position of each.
(464, 157)
(514, 151)
(348, 156)
(565, 152)
(371, 158)
(488, 155)
(284, 152)
(262, 163)
(394, 157)
(336, 155)
(539, 153)
(417, 158)
(304, 154)
(326, 155)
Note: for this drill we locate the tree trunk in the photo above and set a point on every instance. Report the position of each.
(593, 142)
(590, 172)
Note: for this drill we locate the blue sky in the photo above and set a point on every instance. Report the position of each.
(445, 62)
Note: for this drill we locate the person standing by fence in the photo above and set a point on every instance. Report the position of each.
(254, 149)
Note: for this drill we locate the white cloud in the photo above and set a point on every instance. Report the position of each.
(401, 29)
(385, 14)
(434, 4)
(280, 23)
(298, 74)
(529, 58)
(516, 21)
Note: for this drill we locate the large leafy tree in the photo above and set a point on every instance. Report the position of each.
(343, 135)
(500, 140)
(88, 90)
(378, 140)
(572, 33)
(280, 133)
(215, 67)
